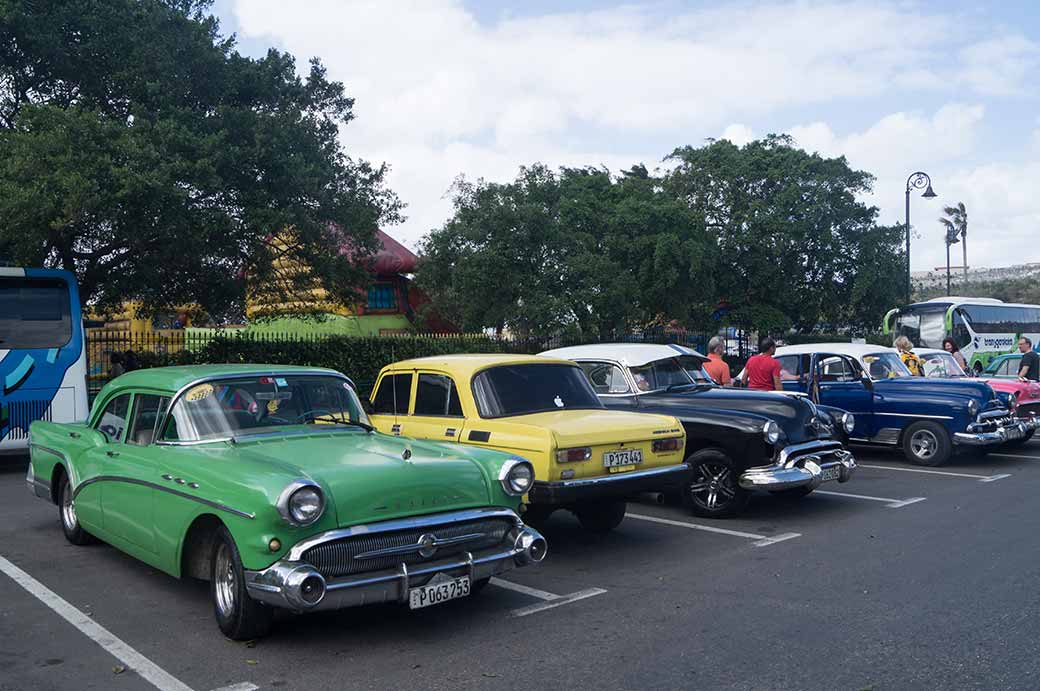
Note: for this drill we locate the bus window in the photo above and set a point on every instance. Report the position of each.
(34, 313)
(961, 335)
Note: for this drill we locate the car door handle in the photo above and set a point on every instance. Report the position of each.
(111, 454)
(167, 476)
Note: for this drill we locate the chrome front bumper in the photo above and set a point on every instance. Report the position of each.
(801, 465)
(613, 485)
(297, 585)
(1009, 432)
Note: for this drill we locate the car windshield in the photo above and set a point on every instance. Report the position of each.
(941, 365)
(662, 374)
(226, 408)
(885, 366)
(532, 388)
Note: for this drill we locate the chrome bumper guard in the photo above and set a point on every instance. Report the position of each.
(298, 586)
(801, 465)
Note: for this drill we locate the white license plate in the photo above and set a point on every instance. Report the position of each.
(832, 473)
(612, 459)
(436, 593)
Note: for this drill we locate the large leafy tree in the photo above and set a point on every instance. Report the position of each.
(141, 151)
(795, 247)
(575, 250)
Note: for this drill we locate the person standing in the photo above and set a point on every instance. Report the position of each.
(762, 371)
(716, 366)
(906, 353)
(1030, 369)
(950, 347)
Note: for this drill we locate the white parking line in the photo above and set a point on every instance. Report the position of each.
(244, 686)
(557, 601)
(980, 478)
(148, 670)
(1015, 455)
(518, 588)
(889, 503)
(761, 540)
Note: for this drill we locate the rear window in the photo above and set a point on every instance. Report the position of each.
(34, 313)
(532, 388)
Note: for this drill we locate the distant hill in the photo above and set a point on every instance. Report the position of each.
(1019, 283)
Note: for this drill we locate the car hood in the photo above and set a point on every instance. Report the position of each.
(369, 477)
(970, 388)
(793, 414)
(598, 426)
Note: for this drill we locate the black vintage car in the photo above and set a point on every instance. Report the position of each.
(737, 441)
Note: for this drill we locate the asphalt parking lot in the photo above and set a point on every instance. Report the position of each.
(902, 578)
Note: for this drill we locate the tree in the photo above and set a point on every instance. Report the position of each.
(139, 150)
(575, 250)
(795, 247)
(956, 224)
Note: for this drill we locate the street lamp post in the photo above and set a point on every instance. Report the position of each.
(915, 181)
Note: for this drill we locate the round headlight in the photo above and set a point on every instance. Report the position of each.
(973, 407)
(301, 503)
(848, 421)
(771, 432)
(1013, 400)
(516, 476)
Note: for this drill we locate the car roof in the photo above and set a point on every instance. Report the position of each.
(856, 350)
(466, 365)
(628, 354)
(175, 378)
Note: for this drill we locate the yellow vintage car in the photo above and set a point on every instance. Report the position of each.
(586, 459)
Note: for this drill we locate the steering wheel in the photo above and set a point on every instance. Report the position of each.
(312, 414)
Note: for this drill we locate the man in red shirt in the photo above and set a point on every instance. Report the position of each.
(762, 371)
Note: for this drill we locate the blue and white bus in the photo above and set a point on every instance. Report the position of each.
(43, 359)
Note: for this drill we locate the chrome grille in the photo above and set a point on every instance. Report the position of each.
(21, 413)
(337, 558)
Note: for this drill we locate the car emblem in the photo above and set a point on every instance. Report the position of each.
(558, 401)
(427, 545)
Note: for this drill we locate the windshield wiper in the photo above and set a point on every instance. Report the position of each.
(343, 421)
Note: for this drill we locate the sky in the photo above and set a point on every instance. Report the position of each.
(450, 87)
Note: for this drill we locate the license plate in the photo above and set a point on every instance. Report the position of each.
(832, 473)
(436, 593)
(613, 459)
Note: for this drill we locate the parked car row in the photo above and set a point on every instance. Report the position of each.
(284, 490)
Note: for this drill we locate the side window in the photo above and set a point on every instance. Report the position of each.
(789, 364)
(393, 395)
(148, 410)
(834, 368)
(437, 395)
(113, 417)
(605, 377)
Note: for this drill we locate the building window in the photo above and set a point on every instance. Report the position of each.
(382, 296)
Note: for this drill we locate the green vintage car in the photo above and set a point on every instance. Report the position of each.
(269, 482)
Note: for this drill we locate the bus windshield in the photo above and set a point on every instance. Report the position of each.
(924, 325)
(35, 313)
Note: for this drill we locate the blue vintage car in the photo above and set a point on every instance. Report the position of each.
(927, 418)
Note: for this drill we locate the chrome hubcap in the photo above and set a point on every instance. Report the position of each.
(224, 579)
(68, 508)
(713, 485)
(924, 444)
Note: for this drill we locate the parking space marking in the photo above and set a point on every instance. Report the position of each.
(557, 602)
(148, 670)
(526, 590)
(889, 502)
(244, 686)
(1015, 455)
(760, 540)
(980, 478)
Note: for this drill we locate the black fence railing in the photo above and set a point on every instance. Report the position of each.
(111, 352)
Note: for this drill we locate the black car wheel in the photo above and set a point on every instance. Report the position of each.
(927, 443)
(70, 525)
(600, 515)
(240, 617)
(713, 491)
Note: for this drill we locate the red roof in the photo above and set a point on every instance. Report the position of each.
(393, 257)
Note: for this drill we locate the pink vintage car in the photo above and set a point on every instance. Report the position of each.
(1023, 397)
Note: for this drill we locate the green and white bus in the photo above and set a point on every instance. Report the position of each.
(982, 328)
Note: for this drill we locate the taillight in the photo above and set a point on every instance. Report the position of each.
(665, 445)
(574, 455)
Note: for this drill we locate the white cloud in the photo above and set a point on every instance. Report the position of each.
(440, 93)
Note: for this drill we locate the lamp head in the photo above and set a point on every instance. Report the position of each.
(929, 193)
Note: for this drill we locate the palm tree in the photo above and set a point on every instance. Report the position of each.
(956, 224)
